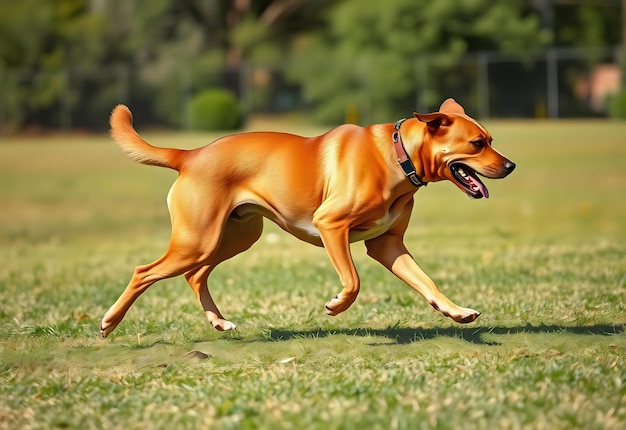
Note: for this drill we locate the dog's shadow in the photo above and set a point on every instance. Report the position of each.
(476, 335)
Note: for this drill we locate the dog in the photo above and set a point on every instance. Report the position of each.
(350, 184)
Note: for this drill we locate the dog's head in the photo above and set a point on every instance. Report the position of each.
(458, 148)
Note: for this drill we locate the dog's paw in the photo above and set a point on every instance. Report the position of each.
(338, 304)
(105, 329)
(223, 325)
(467, 316)
(107, 325)
(332, 306)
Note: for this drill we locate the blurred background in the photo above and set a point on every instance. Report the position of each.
(214, 64)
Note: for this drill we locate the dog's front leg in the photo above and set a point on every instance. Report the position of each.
(390, 251)
(338, 248)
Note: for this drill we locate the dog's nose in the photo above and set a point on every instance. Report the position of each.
(509, 166)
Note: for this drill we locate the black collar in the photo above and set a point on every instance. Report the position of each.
(403, 157)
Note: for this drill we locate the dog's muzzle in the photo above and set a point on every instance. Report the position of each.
(468, 181)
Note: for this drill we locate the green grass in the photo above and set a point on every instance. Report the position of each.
(544, 259)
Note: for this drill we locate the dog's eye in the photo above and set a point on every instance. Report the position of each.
(478, 142)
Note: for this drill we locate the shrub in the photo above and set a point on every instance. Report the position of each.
(617, 105)
(215, 109)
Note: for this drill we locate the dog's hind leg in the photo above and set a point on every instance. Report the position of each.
(195, 239)
(197, 279)
(169, 265)
(237, 237)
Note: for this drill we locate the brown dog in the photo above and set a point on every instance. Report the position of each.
(350, 184)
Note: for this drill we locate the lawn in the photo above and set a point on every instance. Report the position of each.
(544, 259)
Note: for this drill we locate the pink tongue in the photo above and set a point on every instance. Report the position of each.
(483, 189)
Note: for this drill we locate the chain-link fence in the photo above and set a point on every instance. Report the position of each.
(560, 83)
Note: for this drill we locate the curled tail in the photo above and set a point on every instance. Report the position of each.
(135, 147)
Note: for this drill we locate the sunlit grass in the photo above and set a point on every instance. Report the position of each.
(544, 260)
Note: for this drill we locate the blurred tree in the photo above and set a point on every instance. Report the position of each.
(366, 55)
(586, 23)
(170, 49)
(180, 47)
(173, 48)
(348, 55)
(41, 40)
(261, 41)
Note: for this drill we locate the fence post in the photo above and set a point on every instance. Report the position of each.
(3, 120)
(552, 72)
(66, 101)
(122, 83)
(623, 57)
(422, 82)
(244, 90)
(185, 93)
(482, 84)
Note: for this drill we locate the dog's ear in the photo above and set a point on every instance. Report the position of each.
(451, 106)
(433, 120)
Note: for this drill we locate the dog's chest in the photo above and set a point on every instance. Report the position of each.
(372, 229)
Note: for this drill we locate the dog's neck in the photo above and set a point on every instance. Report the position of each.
(403, 157)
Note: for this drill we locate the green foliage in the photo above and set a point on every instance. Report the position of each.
(200, 72)
(353, 53)
(215, 109)
(617, 105)
(587, 23)
(47, 38)
(369, 52)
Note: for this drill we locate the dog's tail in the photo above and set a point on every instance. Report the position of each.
(138, 149)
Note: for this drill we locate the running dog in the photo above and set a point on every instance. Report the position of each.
(350, 184)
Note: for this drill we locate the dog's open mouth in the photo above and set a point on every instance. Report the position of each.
(467, 180)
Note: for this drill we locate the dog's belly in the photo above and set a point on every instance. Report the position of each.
(370, 233)
(376, 228)
(305, 230)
